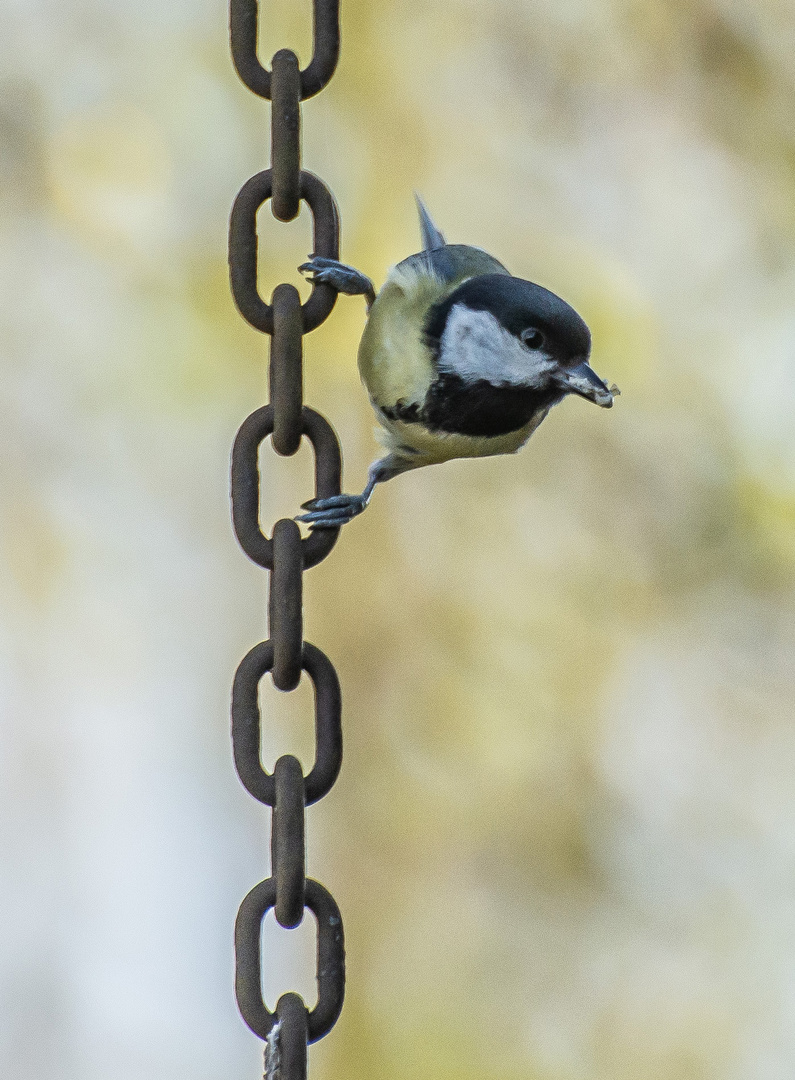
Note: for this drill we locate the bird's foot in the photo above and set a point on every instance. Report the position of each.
(333, 512)
(339, 276)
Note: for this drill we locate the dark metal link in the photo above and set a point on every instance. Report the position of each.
(246, 723)
(330, 959)
(286, 374)
(286, 135)
(285, 617)
(293, 1037)
(288, 855)
(243, 25)
(245, 484)
(243, 249)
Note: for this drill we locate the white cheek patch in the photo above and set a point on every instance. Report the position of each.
(475, 347)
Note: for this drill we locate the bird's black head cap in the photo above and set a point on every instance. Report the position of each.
(518, 305)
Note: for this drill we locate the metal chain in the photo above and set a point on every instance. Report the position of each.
(285, 654)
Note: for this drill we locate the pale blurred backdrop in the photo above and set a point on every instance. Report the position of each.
(563, 839)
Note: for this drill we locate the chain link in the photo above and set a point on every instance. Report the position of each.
(285, 654)
(243, 248)
(286, 373)
(330, 959)
(245, 484)
(286, 135)
(243, 25)
(285, 611)
(288, 851)
(246, 723)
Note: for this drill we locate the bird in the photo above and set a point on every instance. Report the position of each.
(460, 359)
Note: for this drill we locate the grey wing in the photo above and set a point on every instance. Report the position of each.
(451, 264)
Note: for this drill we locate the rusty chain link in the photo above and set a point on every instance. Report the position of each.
(243, 23)
(285, 655)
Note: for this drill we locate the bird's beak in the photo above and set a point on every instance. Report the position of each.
(584, 381)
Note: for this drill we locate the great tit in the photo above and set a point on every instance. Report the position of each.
(460, 359)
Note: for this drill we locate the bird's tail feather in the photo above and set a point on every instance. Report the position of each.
(431, 237)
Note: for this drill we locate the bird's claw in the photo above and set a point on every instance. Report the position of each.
(333, 512)
(343, 278)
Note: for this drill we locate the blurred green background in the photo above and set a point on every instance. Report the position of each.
(563, 840)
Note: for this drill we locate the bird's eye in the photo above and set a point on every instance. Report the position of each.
(532, 338)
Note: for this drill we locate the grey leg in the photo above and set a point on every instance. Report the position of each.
(344, 279)
(338, 510)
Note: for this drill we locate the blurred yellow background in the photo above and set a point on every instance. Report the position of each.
(563, 839)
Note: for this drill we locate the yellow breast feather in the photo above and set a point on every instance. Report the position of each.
(394, 360)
